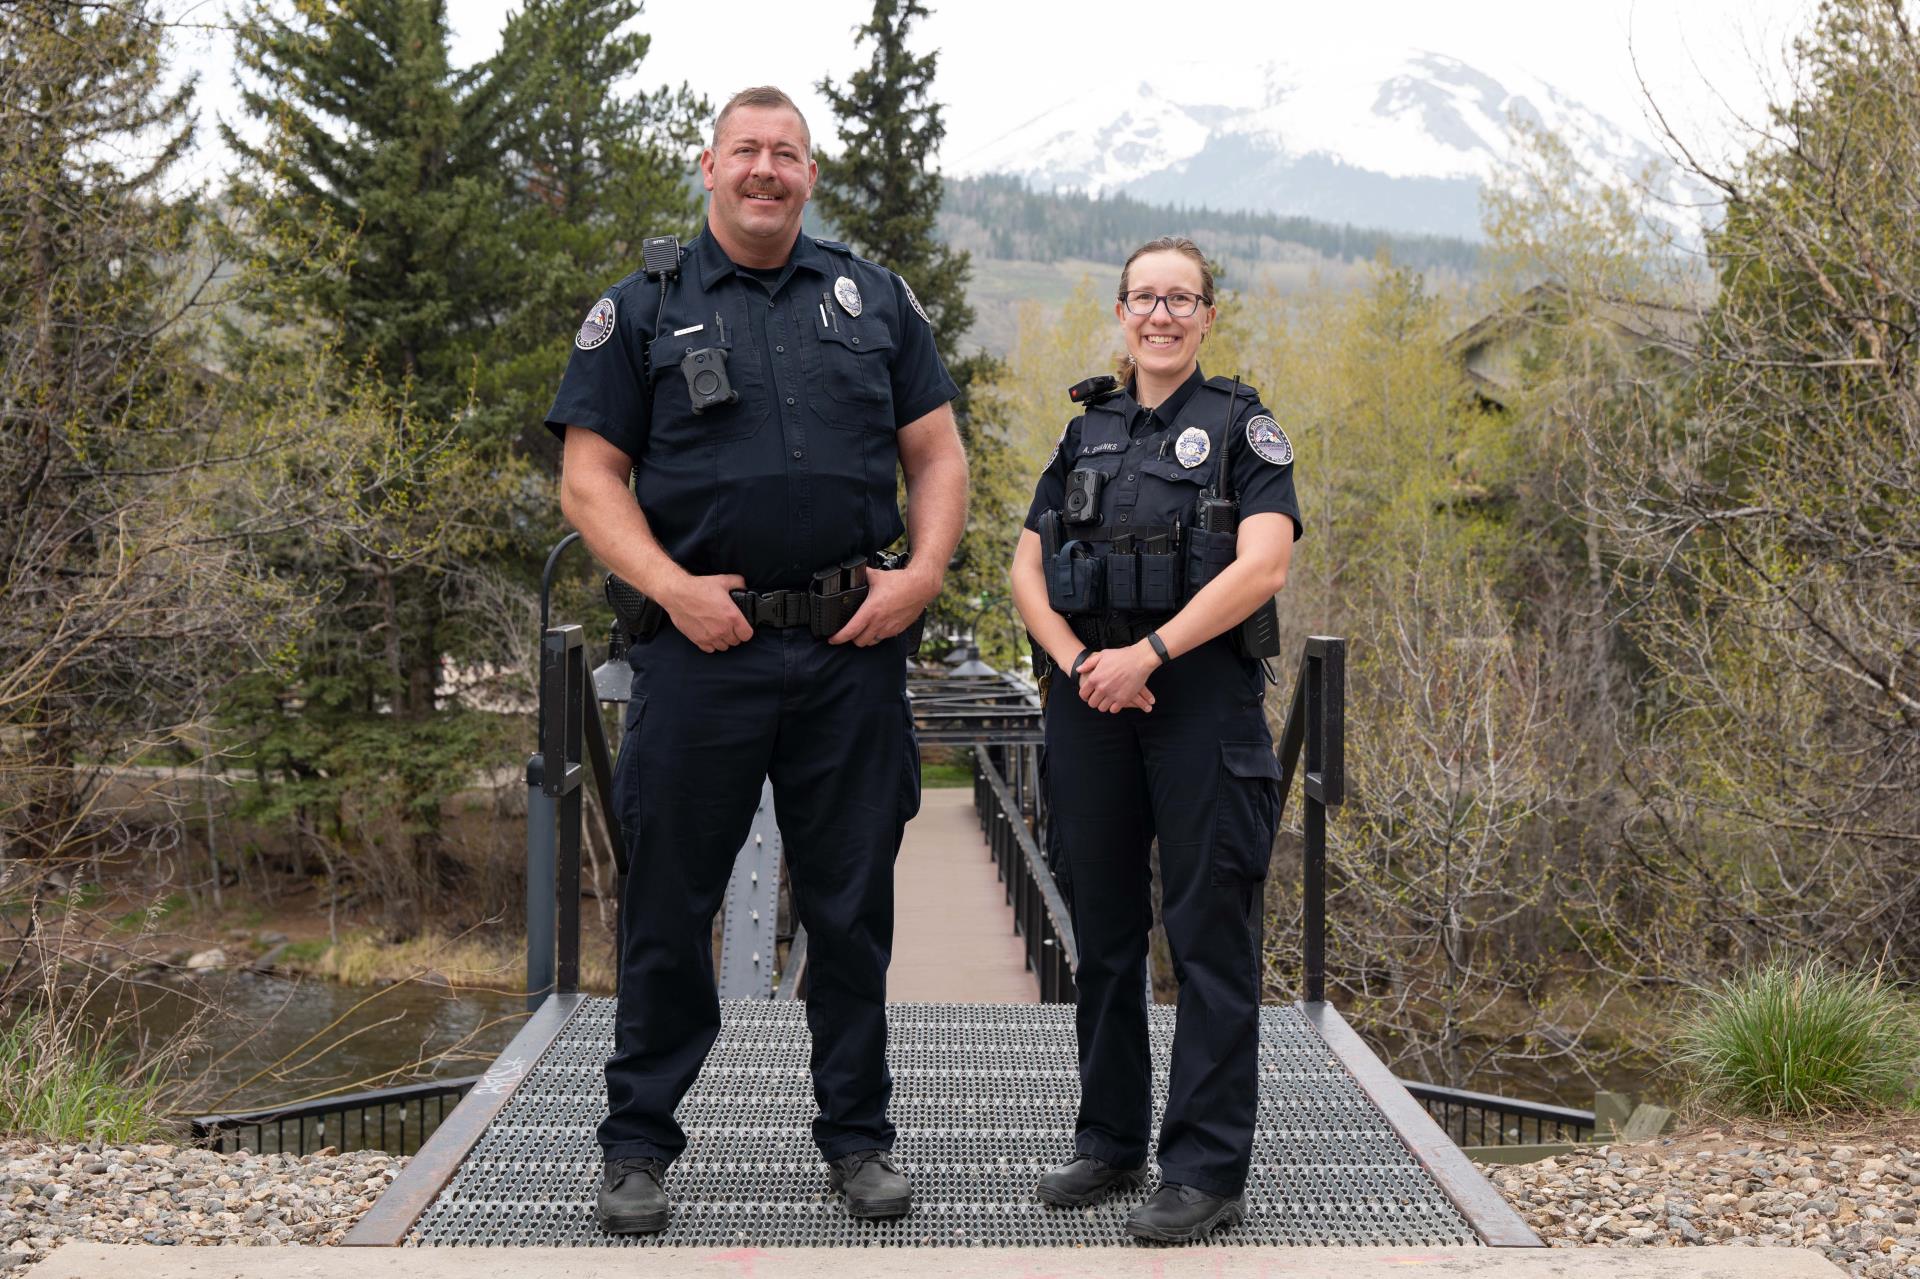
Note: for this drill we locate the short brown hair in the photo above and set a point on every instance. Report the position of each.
(1173, 244)
(761, 95)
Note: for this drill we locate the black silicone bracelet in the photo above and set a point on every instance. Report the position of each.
(1073, 672)
(1159, 646)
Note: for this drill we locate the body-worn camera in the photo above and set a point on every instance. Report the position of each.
(1082, 504)
(706, 372)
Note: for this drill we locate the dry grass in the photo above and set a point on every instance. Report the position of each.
(468, 959)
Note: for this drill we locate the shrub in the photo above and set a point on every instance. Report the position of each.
(62, 1082)
(1802, 1040)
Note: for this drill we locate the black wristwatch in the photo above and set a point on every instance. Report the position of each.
(1159, 646)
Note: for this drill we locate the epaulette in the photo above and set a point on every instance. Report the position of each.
(1226, 384)
(1094, 389)
(835, 245)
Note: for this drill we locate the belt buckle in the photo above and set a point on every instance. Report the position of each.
(754, 607)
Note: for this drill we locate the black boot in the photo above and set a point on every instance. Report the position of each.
(873, 1184)
(1084, 1180)
(631, 1201)
(1181, 1214)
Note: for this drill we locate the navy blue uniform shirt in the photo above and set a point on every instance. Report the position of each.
(1260, 485)
(799, 473)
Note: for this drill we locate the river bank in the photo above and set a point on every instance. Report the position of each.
(1850, 1194)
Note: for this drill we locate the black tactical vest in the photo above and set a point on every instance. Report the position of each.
(1154, 543)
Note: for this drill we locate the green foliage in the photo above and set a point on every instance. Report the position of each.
(882, 194)
(1000, 213)
(945, 774)
(303, 954)
(590, 170)
(421, 243)
(64, 1084)
(371, 132)
(1802, 1040)
(362, 790)
(1020, 408)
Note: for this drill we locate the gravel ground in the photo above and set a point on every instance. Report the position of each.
(1853, 1203)
(161, 1194)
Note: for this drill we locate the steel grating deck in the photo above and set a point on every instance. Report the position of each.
(984, 1099)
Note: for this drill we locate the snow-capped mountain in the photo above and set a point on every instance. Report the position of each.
(1399, 141)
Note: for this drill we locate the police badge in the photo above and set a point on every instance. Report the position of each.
(847, 294)
(1192, 448)
(1268, 441)
(597, 327)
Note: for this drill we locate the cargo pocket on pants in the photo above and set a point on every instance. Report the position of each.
(1246, 810)
(1054, 846)
(626, 780)
(909, 798)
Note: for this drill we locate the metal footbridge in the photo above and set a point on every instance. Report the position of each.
(984, 1093)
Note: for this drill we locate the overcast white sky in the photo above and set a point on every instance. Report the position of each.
(1004, 61)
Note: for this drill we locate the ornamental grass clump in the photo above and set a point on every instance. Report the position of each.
(61, 1082)
(1802, 1040)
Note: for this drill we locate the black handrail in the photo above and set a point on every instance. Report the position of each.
(396, 1120)
(1316, 720)
(572, 740)
(1464, 1117)
(1013, 820)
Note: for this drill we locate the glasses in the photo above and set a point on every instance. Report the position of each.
(1179, 305)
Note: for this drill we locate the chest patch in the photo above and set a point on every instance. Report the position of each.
(847, 294)
(1268, 441)
(1192, 448)
(597, 327)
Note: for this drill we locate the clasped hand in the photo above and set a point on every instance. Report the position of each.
(1115, 679)
(894, 599)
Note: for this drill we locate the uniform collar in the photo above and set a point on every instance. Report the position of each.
(713, 264)
(1168, 410)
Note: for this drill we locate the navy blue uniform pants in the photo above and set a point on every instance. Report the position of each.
(830, 725)
(1198, 772)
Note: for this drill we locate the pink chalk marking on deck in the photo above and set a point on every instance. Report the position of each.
(743, 1259)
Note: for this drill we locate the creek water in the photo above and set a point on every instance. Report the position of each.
(260, 1040)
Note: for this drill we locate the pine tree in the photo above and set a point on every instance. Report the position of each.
(882, 192)
(589, 171)
(882, 195)
(372, 133)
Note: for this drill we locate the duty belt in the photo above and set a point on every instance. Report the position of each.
(829, 602)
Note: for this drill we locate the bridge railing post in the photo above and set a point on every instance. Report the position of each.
(555, 776)
(1316, 723)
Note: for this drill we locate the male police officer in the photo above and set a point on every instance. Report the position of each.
(760, 395)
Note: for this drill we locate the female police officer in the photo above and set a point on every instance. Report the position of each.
(1164, 520)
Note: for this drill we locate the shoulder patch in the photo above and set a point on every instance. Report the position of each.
(1268, 442)
(597, 327)
(1055, 455)
(914, 302)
